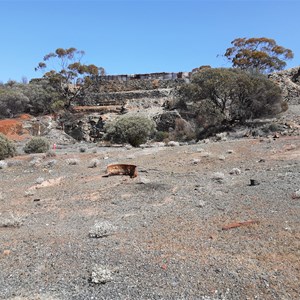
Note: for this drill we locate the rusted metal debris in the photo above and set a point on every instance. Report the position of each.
(121, 169)
(239, 224)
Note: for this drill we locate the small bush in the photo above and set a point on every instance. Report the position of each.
(37, 145)
(7, 148)
(161, 136)
(183, 131)
(134, 129)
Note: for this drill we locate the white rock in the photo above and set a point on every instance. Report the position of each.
(101, 274)
(39, 180)
(218, 177)
(201, 203)
(173, 144)
(94, 163)
(195, 161)
(221, 136)
(101, 229)
(235, 171)
(3, 164)
(143, 180)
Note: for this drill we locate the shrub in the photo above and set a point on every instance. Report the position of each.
(234, 94)
(37, 145)
(161, 136)
(7, 148)
(183, 131)
(134, 129)
(12, 103)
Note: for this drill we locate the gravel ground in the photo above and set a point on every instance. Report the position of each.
(66, 232)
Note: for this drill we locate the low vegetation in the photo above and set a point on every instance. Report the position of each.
(7, 148)
(226, 96)
(37, 145)
(134, 129)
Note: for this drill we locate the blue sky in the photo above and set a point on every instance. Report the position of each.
(139, 36)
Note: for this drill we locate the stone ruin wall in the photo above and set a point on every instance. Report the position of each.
(119, 89)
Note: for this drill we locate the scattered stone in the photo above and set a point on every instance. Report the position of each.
(218, 177)
(201, 204)
(10, 220)
(290, 147)
(205, 154)
(6, 252)
(72, 161)
(3, 164)
(35, 162)
(82, 149)
(101, 229)
(235, 171)
(222, 157)
(101, 274)
(50, 153)
(160, 144)
(200, 150)
(143, 180)
(195, 161)
(39, 180)
(296, 194)
(14, 163)
(29, 193)
(94, 163)
(222, 136)
(50, 163)
(128, 147)
(229, 151)
(254, 182)
(173, 144)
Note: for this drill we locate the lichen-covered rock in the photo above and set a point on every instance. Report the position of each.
(289, 82)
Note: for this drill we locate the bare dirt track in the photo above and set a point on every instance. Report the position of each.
(165, 237)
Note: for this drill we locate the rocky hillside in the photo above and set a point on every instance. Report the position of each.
(289, 82)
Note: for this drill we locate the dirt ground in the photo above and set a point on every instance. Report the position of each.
(170, 233)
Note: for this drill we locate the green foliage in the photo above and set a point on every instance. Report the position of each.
(7, 148)
(72, 77)
(230, 95)
(261, 54)
(160, 136)
(41, 96)
(134, 129)
(57, 105)
(37, 145)
(12, 102)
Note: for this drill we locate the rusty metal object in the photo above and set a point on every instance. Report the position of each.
(239, 224)
(121, 169)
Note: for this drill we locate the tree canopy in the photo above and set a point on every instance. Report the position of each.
(70, 77)
(231, 95)
(261, 54)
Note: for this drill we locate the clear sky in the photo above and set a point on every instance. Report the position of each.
(139, 36)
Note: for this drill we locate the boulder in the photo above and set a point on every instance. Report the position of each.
(289, 82)
(166, 120)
